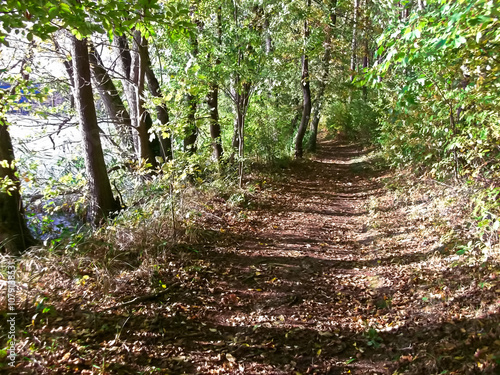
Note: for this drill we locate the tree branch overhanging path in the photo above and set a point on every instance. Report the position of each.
(306, 283)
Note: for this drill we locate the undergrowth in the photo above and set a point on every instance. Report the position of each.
(465, 216)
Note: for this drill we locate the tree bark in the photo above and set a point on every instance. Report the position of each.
(191, 130)
(191, 134)
(366, 46)
(161, 109)
(213, 100)
(112, 101)
(102, 202)
(354, 45)
(127, 64)
(15, 236)
(319, 100)
(138, 75)
(215, 130)
(306, 96)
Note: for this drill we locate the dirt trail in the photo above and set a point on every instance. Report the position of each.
(298, 282)
(297, 276)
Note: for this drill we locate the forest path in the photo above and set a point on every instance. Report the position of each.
(328, 274)
(299, 274)
(318, 271)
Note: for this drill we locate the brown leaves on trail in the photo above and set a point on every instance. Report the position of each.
(320, 271)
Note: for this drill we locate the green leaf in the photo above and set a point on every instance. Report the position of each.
(440, 43)
(64, 7)
(53, 12)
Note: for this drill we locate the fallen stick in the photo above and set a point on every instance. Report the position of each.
(141, 298)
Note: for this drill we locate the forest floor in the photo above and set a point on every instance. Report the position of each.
(322, 270)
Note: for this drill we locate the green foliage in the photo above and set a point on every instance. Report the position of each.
(374, 340)
(487, 214)
(438, 77)
(356, 121)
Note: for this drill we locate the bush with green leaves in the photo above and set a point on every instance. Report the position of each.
(438, 75)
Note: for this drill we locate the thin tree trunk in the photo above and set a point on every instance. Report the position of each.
(354, 45)
(14, 234)
(306, 95)
(138, 77)
(319, 100)
(128, 65)
(215, 130)
(366, 46)
(213, 100)
(68, 66)
(112, 101)
(102, 202)
(161, 109)
(269, 41)
(191, 130)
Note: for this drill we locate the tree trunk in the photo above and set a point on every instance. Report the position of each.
(215, 130)
(323, 80)
(161, 109)
(241, 101)
(14, 234)
(191, 134)
(102, 202)
(354, 38)
(269, 41)
(306, 95)
(366, 47)
(213, 100)
(319, 100)
(112, 101)
(138, 75)
(128, 64)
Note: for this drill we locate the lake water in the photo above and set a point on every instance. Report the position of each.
(47, 149)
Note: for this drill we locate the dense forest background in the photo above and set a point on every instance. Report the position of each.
(118, 117)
